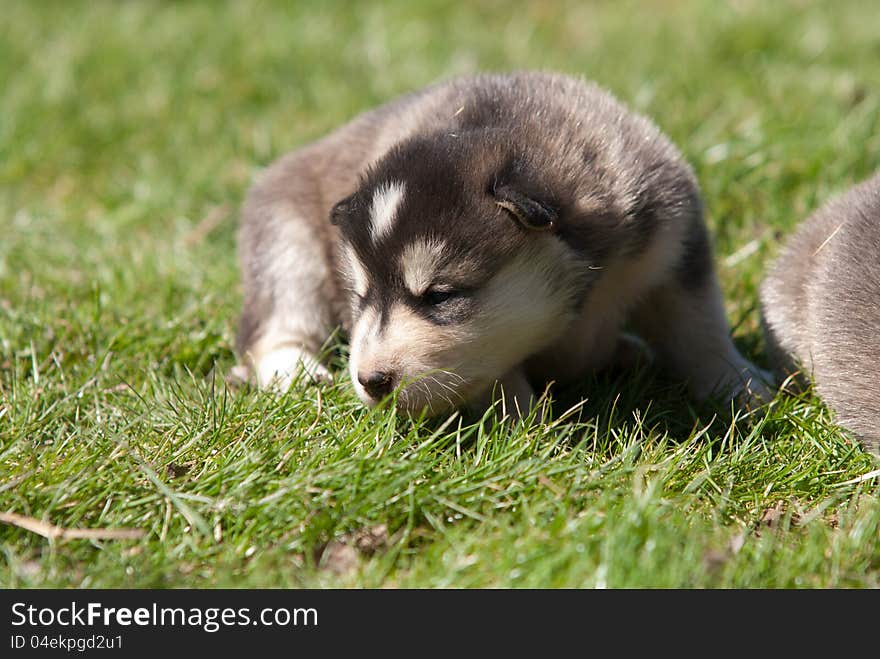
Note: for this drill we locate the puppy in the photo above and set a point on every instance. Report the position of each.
(490, 230)
(821, 308)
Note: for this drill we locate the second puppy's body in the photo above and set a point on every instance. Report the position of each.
(821, 307)
(499, 228)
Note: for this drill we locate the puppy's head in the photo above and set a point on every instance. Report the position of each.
(456, 269)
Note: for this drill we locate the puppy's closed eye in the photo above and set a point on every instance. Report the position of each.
(435, 297)
(445, 306)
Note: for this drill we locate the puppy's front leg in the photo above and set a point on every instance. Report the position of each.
(684, 322)
(288, 279)
(688, 330)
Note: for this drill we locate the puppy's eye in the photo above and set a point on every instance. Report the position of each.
(437, 296)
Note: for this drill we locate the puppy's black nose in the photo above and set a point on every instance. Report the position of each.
(377, 383)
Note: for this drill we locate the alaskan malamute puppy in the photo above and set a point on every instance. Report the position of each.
(821, 307)
(497, 229)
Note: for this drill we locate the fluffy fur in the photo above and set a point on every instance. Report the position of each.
(489, 229)
(821, 308)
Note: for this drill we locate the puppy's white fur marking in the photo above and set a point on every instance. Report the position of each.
(363, 333)
(419, 263)
(521, 313)
(360, 280)
(383, 210)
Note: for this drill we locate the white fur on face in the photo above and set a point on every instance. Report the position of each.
(383, 210)
(363, 335)
(360, 280)
(524, 308)
(419, 262)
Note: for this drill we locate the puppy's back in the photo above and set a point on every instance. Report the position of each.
(821, 307)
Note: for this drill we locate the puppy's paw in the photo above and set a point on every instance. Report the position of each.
(736, 380)
(751, 388)
(759, 389)
(279, 369)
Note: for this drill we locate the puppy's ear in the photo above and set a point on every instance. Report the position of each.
(342, 210)
(529, 212)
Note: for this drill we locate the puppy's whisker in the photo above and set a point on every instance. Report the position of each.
(455, 392)
(451, 374)
(438, 393)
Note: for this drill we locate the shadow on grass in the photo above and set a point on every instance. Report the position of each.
(610, 409)
(610, 406)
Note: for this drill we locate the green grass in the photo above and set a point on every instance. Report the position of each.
(125, 125)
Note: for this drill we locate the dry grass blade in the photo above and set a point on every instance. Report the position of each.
(206, 225)
(861, 479)
(60, 533)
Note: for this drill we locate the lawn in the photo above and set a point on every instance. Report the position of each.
(129, 133)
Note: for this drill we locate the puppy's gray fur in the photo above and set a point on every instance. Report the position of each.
(821, 307)
(489, 229)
